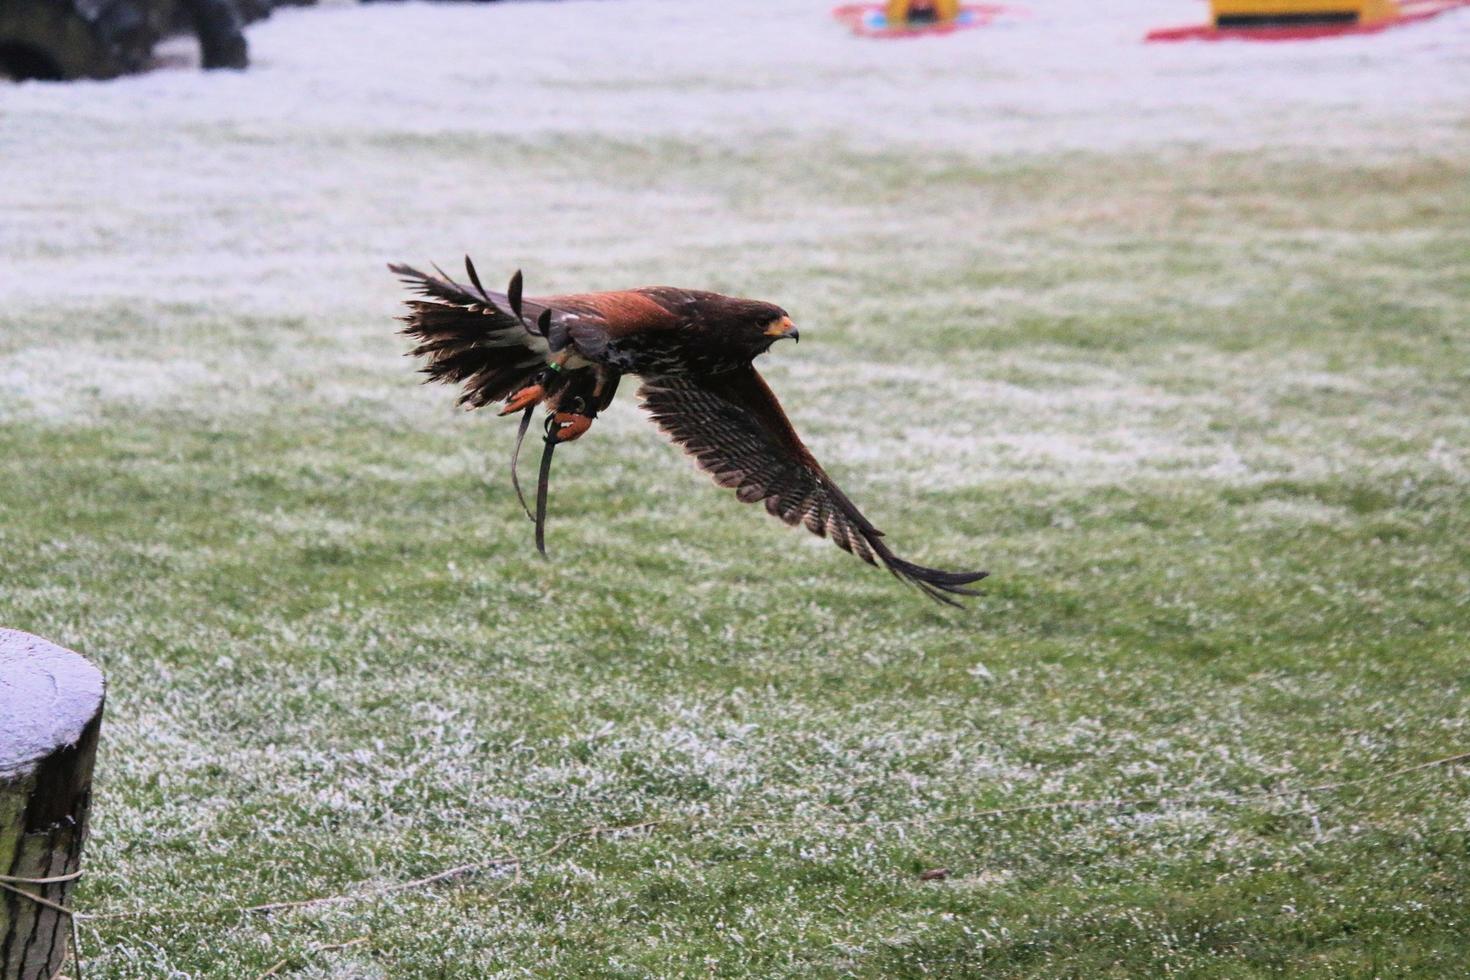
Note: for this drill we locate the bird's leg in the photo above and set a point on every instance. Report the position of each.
(573, 405)
(573, 413)
(601, 373)
(535, 392)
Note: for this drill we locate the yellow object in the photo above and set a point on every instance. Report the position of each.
(902, 12)
(1241, 12)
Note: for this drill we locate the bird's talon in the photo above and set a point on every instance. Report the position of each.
(568, 426)
(529, 395)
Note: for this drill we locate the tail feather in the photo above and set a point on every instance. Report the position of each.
(469, 339)
(439, 287)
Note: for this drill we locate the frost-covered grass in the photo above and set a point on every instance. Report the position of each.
(1195, 393)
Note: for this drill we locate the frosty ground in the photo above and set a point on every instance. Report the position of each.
(1170, 338)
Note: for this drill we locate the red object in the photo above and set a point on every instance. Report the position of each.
(871, 20)
(1412, 11)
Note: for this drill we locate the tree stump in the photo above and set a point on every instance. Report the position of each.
(50, 713)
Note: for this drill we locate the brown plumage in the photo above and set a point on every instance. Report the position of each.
(692, 351)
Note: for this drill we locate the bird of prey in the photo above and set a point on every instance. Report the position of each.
(692, 352)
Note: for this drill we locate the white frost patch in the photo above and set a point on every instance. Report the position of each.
(1068, 74)
(1295, 513)
(53, 383)
(1093, 424)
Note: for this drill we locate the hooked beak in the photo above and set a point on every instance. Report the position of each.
(782, 329)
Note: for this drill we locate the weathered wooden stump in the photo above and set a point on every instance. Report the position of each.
(50, 713)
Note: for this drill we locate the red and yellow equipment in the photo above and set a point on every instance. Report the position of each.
(905, 12)
(916, 18)
(1285, 13)
(1304, 20)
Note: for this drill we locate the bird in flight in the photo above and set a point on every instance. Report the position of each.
(692, 352)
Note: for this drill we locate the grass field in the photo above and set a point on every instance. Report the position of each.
(1196, 396)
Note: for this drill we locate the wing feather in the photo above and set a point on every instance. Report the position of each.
(734, 428)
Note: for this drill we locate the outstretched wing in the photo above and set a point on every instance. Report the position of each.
(735, 429)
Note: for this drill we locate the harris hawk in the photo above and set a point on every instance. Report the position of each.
(692, 352)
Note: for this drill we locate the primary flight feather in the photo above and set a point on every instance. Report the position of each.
(692, 352)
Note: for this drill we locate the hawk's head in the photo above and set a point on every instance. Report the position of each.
(725, 331)
(756, 325)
